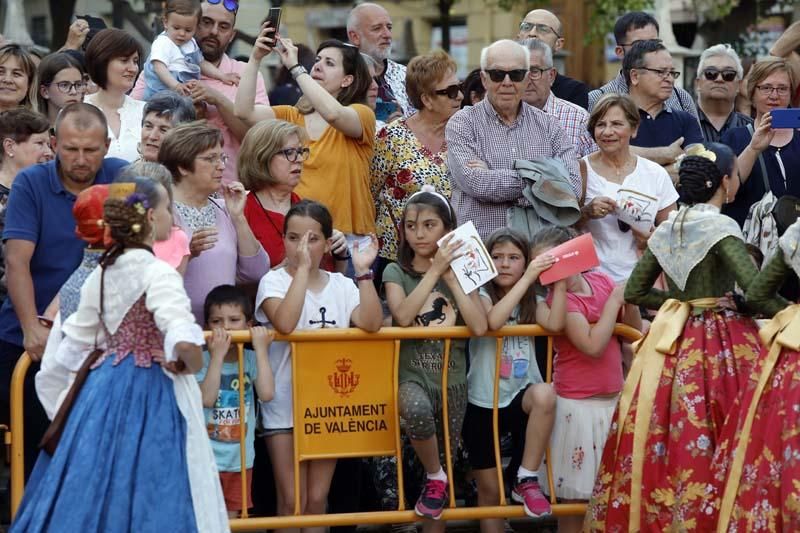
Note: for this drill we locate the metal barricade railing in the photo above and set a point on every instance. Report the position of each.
(246, 523)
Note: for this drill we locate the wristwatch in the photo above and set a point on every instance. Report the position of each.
(297, 70)
(369, 276)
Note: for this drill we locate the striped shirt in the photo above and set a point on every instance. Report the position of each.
(679, 100)
(478, 133)
(574, 119)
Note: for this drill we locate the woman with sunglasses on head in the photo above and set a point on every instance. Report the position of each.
(612, 124)
(770, 85)
(339, 125)
(412, 152)
(62, 81)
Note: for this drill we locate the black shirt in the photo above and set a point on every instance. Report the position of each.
(571, 90)
(734, 120)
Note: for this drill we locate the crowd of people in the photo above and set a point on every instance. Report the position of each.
(144, 199)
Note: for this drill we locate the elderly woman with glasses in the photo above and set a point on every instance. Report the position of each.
(270, 163)
(412, 152)
(770, 85)
(62, 81)
(222, 245)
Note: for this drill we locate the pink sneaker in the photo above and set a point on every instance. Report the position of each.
(432, 500)
(528, 493)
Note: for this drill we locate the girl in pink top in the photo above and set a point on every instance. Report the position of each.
(587, 376)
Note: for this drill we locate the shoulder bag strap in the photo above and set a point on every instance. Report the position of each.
(761, 163)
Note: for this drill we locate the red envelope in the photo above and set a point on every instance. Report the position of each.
(572, 257)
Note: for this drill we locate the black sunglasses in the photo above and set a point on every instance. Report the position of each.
(516, 75)
(452, 91)
(711, 74)
(230, 5)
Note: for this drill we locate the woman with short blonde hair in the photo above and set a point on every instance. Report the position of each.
(270, 163)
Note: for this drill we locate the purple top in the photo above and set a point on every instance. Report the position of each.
(222, 264)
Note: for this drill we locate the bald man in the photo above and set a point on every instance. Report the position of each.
(545, 26)
(369, 27)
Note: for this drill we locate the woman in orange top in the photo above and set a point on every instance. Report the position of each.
(341, 128)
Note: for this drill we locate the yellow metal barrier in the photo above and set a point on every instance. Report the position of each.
(321, 338)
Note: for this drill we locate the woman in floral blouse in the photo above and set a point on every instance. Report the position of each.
(411, 152)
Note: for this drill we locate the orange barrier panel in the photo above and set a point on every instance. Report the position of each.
(352, 376)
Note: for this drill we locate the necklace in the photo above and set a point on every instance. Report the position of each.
(619, 171)
(266, 214)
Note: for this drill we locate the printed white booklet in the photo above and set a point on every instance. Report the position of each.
(475, 267)
(636, 209)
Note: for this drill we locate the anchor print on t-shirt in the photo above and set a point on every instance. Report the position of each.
(437, 311)
(321, 318)
(224, 424)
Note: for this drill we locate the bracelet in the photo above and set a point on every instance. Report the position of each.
(294, 67)
(299, 69)
(343, 257)
(368, 276)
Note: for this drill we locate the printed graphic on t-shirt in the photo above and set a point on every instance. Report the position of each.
(436, 311)
(224, 425)
(515, 361)
(318, 319)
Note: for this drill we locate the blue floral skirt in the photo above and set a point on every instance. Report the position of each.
(121, 462)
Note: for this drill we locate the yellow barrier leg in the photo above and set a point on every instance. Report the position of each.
(398, 452)
(242, 429)
(448, 459)
(17, 445)
(498, 465)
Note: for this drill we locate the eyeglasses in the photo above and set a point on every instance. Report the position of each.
(230, 5)
(516, 75)
(711, 74)
(663, 74)
(781, 90)
(293, 155)
(542, 29)
(67, 87)
(215, 159)
(452, 91)
(623, 45)
(536, 72)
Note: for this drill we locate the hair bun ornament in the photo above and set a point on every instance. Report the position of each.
(699, 150)
(121, 191)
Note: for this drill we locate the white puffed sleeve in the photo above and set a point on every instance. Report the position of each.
(171, 308)
(52, 379)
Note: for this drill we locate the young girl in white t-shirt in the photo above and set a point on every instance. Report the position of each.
(301, 296)
(175, 58)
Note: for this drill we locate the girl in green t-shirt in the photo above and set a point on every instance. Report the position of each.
(422, 290)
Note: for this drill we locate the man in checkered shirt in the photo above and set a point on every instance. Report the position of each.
(484, 141)
(573, 118)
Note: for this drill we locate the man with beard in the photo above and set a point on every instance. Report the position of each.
(369, 27)
(42, 249)
(214, 33)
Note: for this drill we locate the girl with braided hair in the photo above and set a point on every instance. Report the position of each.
(128, 449)
(690, 368)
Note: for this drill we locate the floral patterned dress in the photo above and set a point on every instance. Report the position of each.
(688, 373)
(400, 167)
(758, 458)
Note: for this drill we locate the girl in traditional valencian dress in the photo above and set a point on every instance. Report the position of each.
(759, 453)
(133, 453)
(690, 368)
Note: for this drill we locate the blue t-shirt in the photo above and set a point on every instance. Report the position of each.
(665, 128)
(222, 420)
(40, 211)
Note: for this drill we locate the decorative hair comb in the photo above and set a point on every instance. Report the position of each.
(696, 150)
(120, 191)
